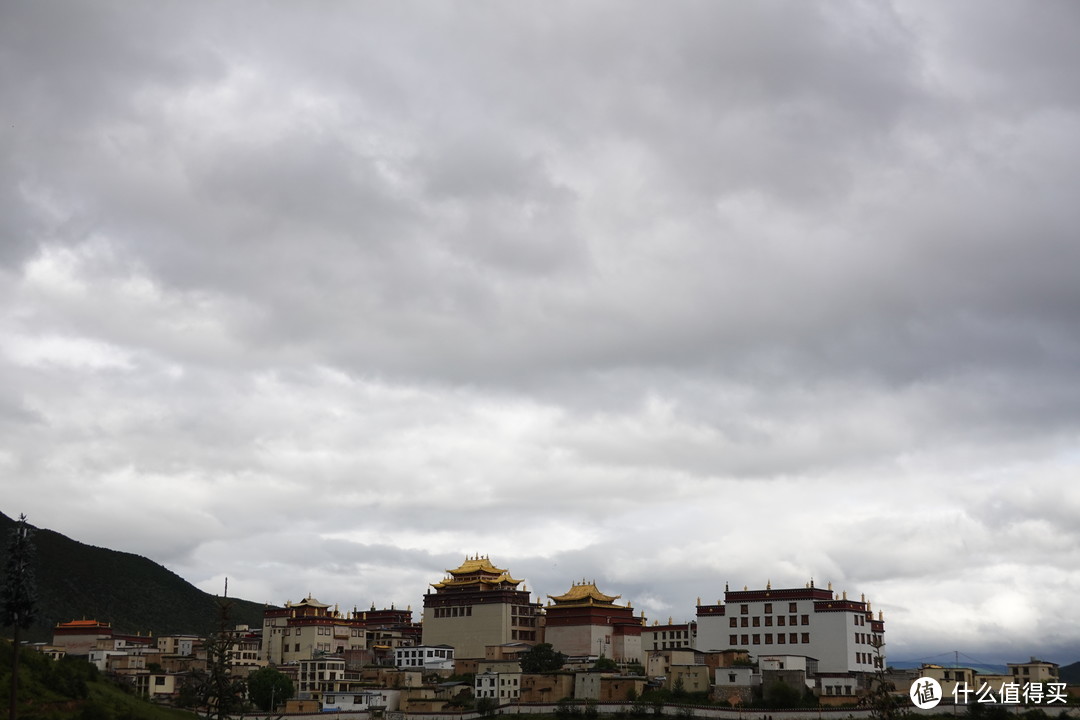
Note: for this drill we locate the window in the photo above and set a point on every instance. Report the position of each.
(855, 618)
(780, 638)
(159, 680)
(731, 677)
(757, 639)
(793, 638)
(733, 640)
(793, 607)
(757, 621)
(768, 638)
(768, 608)
(793, 620)
(744, 609)
(745, 639)
(781, 621)
(768, 621)
(805, 619)
(734, 622)
(806, 637)
(745, 622)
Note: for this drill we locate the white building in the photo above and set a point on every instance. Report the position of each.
(428, 657)
(362, 700)
(504, 687)
(842, 634)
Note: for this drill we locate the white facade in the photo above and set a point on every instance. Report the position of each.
(737, 676)
(840, 633)
(428, 657)
(504, 687)
(362, 701)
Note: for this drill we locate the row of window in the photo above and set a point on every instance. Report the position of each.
(792, 607)
(781, 620)
(781, 639)
(445, 612)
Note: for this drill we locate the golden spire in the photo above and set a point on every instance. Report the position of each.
(830, 584)
(845, 594)
(768, 584)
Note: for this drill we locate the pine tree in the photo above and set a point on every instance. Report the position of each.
(18, 597)
(219, 692)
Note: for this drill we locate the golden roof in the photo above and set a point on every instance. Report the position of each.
(477, 564)
(500, 580)
(476, 570)
(584, 592)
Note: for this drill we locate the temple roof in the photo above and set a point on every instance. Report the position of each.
(476, 570)
(584, 592)
(500, 580)
(477, 564)
(309, 602)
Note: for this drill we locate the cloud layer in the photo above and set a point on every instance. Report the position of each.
(324, 297)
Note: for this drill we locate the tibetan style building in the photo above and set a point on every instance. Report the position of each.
(585, 622)
(477, 605)
(841, 633)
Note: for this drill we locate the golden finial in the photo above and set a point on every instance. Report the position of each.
(699, 600)
(880, 615)
(768, 584)
(745, 588)
(845, 594)
(863, 596)
(629, 604)
(830, 584)
(669, 620)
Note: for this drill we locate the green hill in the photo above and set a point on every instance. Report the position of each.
(76, 581)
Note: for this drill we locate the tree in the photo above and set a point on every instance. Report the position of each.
(879, 697)
(486, 706)
(268, 688)
(218, 692)
(605, 664)
(18, 598)
(541, 658)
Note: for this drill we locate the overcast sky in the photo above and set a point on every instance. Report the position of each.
(323, 296)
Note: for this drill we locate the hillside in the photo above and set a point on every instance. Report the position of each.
(136, 595)
(1070, 673)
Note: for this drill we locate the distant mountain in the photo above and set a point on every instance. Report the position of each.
(77, 581)
(1070, 673)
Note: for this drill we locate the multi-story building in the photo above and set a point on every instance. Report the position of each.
(584, 622)
(79, 637)
(500, 686)
(1035, 671)
(182, 645)
(841, 633)
(303, 630)
(476, 605)
(669, 636)
(439, 657)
